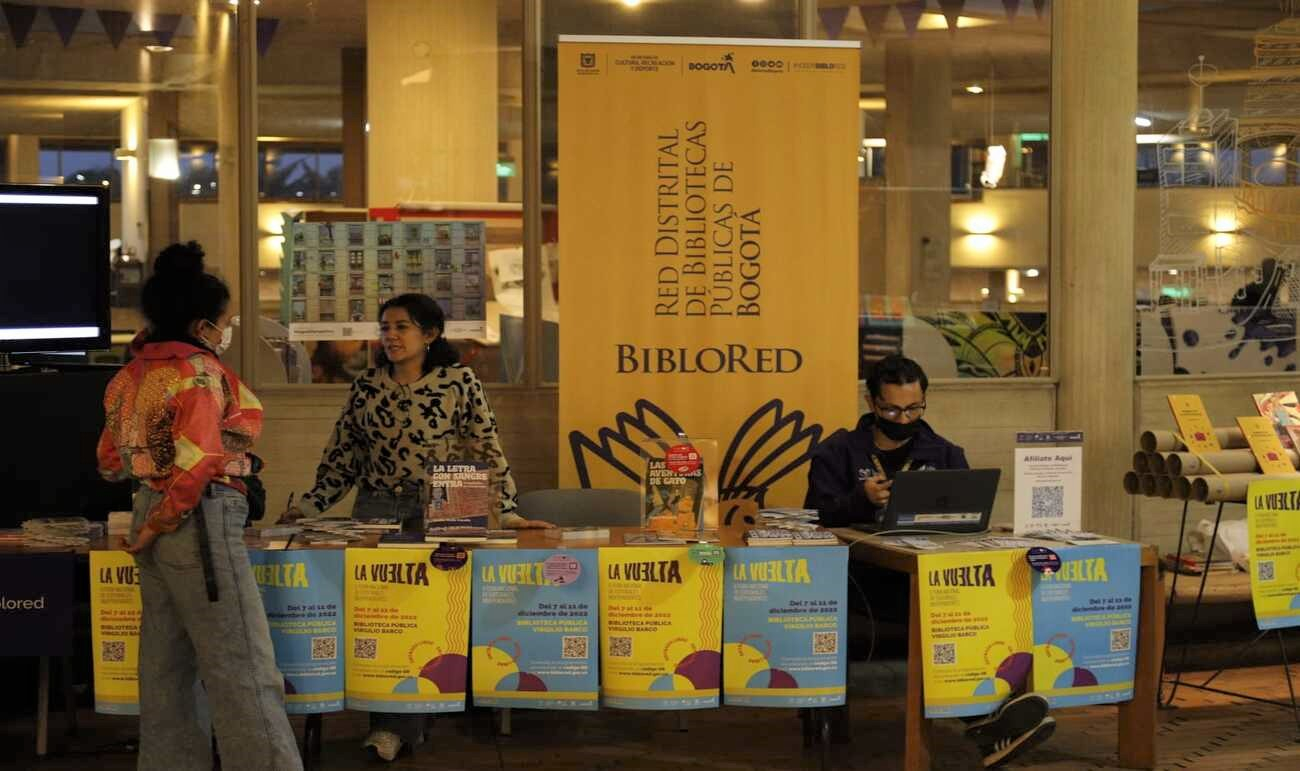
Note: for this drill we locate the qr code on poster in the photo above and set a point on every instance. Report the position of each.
(112, 650)
(365, 648)
(826, 643)
(620, 647)
(943, 653)
(323, 648)
(1267, 571)
(1121, 640)
(573, 647)
(1047, 502)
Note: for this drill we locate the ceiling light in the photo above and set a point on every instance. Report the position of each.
(1173, 271)
(984, 292)
(630, 3)
(1031, 273)
(1012, 299)
(1142, 122)
(975, 88)
(159, 49)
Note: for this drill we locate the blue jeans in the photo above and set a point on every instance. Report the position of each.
(226, 644)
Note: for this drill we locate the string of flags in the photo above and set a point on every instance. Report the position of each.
(156, 28)
(875, 15)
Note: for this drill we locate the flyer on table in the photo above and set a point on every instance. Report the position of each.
(1273, 522)
(407, 629)
(976, 630)
(302, 591)
(784, 626)
(533, 621)
(660, 628)
(1085, 625)
(115, 631)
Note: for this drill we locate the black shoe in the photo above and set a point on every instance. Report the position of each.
(1013, 718)
(1005, 750)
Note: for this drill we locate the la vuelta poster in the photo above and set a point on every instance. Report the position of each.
(1085, 625)
(407, 630)
(660, 629)
(533, 628)
(784, 626)
(977, 630)
(115, 631)
(694, 246)
(1274, 534)
(302, 590)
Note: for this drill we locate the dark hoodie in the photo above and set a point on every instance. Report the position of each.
(843, 462)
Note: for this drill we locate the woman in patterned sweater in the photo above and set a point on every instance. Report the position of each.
(418, 402)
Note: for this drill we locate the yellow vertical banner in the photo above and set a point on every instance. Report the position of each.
(660, 629)
(115, 631)
(977, 630)
(708, 236)
(407, 629)
(1273, 524)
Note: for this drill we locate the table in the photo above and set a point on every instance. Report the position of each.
(1137, 718)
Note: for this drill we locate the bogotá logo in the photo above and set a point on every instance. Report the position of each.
(587, 60)
(726, 64)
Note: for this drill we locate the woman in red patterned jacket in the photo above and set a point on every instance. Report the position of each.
(179, 422)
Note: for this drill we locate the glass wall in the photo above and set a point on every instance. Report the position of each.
(1217, 229)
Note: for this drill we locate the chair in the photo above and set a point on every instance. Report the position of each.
(582, 507)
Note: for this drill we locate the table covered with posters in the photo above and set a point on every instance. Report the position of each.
(1081, 624)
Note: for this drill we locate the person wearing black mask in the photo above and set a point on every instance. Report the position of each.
(849, 481)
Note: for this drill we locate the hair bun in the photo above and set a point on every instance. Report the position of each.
(180, 260)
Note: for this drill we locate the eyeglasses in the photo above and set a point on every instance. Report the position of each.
(890, 412)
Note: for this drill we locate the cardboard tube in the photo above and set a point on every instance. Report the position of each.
(1164, 487)
(1164, 441)
(1226, 461)
(1156, 463)
(1229, 487)
(1148, 482)
(1132, 483)
(1182, 488)
(1140, 463)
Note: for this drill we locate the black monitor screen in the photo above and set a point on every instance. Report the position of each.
(54, 268)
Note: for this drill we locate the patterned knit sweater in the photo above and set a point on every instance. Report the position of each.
(388, 432)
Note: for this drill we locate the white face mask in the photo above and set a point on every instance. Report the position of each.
(227, 335)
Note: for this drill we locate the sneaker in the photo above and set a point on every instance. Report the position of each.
(1005, 750)
(1013, 718)
(384, 744)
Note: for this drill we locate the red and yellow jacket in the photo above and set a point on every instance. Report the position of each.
(176, 419)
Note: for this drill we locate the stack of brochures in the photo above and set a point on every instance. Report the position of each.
(57, 531)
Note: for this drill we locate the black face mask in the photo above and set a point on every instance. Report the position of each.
(899, 432)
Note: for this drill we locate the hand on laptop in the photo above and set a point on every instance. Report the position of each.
(877, 489)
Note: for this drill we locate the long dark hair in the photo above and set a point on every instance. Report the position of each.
(428, 316)
(180, 292)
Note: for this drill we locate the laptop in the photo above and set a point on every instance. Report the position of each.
(955, 501)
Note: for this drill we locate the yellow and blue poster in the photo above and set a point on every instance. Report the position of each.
(1273, 521)
(976, 630)
(407, 635)
(1085, 625)
(115, 631)
(302, 591)
(660, 628)
(533, 619)
(784, 626)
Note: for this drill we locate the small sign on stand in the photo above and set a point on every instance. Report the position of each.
(1049, 482)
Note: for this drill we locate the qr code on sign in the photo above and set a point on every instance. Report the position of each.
(573, 647)
(1047, 502)
(1121, 640)
(826, 643)
(365, 648)
(943, 653)
(620, 647)
(112, 650)
(1267, 571)
(323, 648)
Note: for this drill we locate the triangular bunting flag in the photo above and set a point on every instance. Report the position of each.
(19, 18)
(165, 26)
(952, 13)
(833, 20)
(1012, 7)
(911, 13)
(65, 22)
(115, 24)
(265, 34)
(874, 17)
(1039, 5)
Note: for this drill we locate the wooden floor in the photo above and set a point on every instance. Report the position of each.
(1204, 731)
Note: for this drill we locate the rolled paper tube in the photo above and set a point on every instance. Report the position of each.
(1149, 485)
(1226, 461)
(1140, 462)
(1164, 487)
(1156, 463)
(1229, 488)
(1164, 441)
(1182, 488)
(1132, 483)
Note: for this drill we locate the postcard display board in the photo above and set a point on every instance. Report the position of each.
(336, 274)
